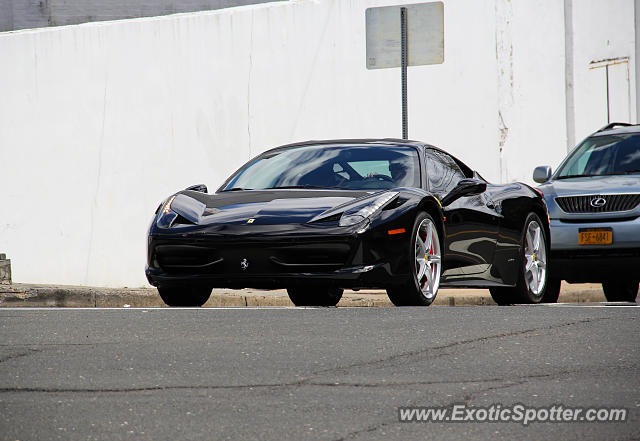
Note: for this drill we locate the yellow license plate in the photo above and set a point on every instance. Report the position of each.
(595, 236)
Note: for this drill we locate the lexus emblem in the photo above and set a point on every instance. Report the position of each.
(244, 264)
(598, 202)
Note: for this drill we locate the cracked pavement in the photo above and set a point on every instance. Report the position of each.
(325, 374)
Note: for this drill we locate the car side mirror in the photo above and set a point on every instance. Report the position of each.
(542, 174)
(466, 187)
(200, 187)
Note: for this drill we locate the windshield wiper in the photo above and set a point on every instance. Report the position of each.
(621, 172)
(626, 172)
(238, 189)
(307, 186)
(575, 176)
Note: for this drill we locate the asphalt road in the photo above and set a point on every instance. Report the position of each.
(326, 374)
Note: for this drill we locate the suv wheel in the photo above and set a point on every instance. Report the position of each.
(620, 290)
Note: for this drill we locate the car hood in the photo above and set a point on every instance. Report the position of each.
(592, 185)
(258, 207)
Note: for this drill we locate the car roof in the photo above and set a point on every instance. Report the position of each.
(617, 128)
(364, 141)
(395, 142)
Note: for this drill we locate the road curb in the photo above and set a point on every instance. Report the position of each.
(27, 295)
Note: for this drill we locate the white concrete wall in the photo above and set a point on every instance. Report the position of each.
(530, 83)
(603, 30)
(100, 122)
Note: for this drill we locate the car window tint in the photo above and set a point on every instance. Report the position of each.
(443, 173)
(628, 158)
(353, 167)
(604, 155)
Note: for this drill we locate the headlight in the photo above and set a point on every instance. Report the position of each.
(362, 213)
(187, 209)
(166, 216)
(167, 205)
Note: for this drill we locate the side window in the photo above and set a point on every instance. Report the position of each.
(443, 173)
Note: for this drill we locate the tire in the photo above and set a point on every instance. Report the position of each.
(425, 261)
(533, 280)
(552, 290)
(185, 295)
(620, 291)
(315, 296)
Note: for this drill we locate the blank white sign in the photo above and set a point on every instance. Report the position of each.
(425, 35)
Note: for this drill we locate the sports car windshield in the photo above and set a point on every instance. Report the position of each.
(352, 167)
(604, 155)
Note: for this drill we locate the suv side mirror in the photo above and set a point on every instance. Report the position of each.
(542, 174)
(466, 187)
(200, 187)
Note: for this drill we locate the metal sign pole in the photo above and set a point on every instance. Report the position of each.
(426, 33)
(403, 68)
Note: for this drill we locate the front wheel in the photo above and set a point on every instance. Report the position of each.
(315, 296)
(620, 291)
(425, 265)
(533, 284)
(185, 295)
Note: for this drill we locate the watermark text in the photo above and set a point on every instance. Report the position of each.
(518, 413)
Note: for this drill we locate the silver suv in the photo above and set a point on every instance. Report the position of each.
(593, 200)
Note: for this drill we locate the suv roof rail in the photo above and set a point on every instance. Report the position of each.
(612, 125)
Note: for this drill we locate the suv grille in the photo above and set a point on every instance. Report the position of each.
(593, 203)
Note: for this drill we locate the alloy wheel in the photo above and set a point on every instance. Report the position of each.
(428, 258)
(535, 254)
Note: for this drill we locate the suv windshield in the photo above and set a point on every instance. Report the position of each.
(604, 155)
(350, 167)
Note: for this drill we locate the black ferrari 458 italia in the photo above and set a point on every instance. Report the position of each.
(321, 216)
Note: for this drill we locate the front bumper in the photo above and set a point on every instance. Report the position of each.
(369, 276)
(257, 261)
(595, 263)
